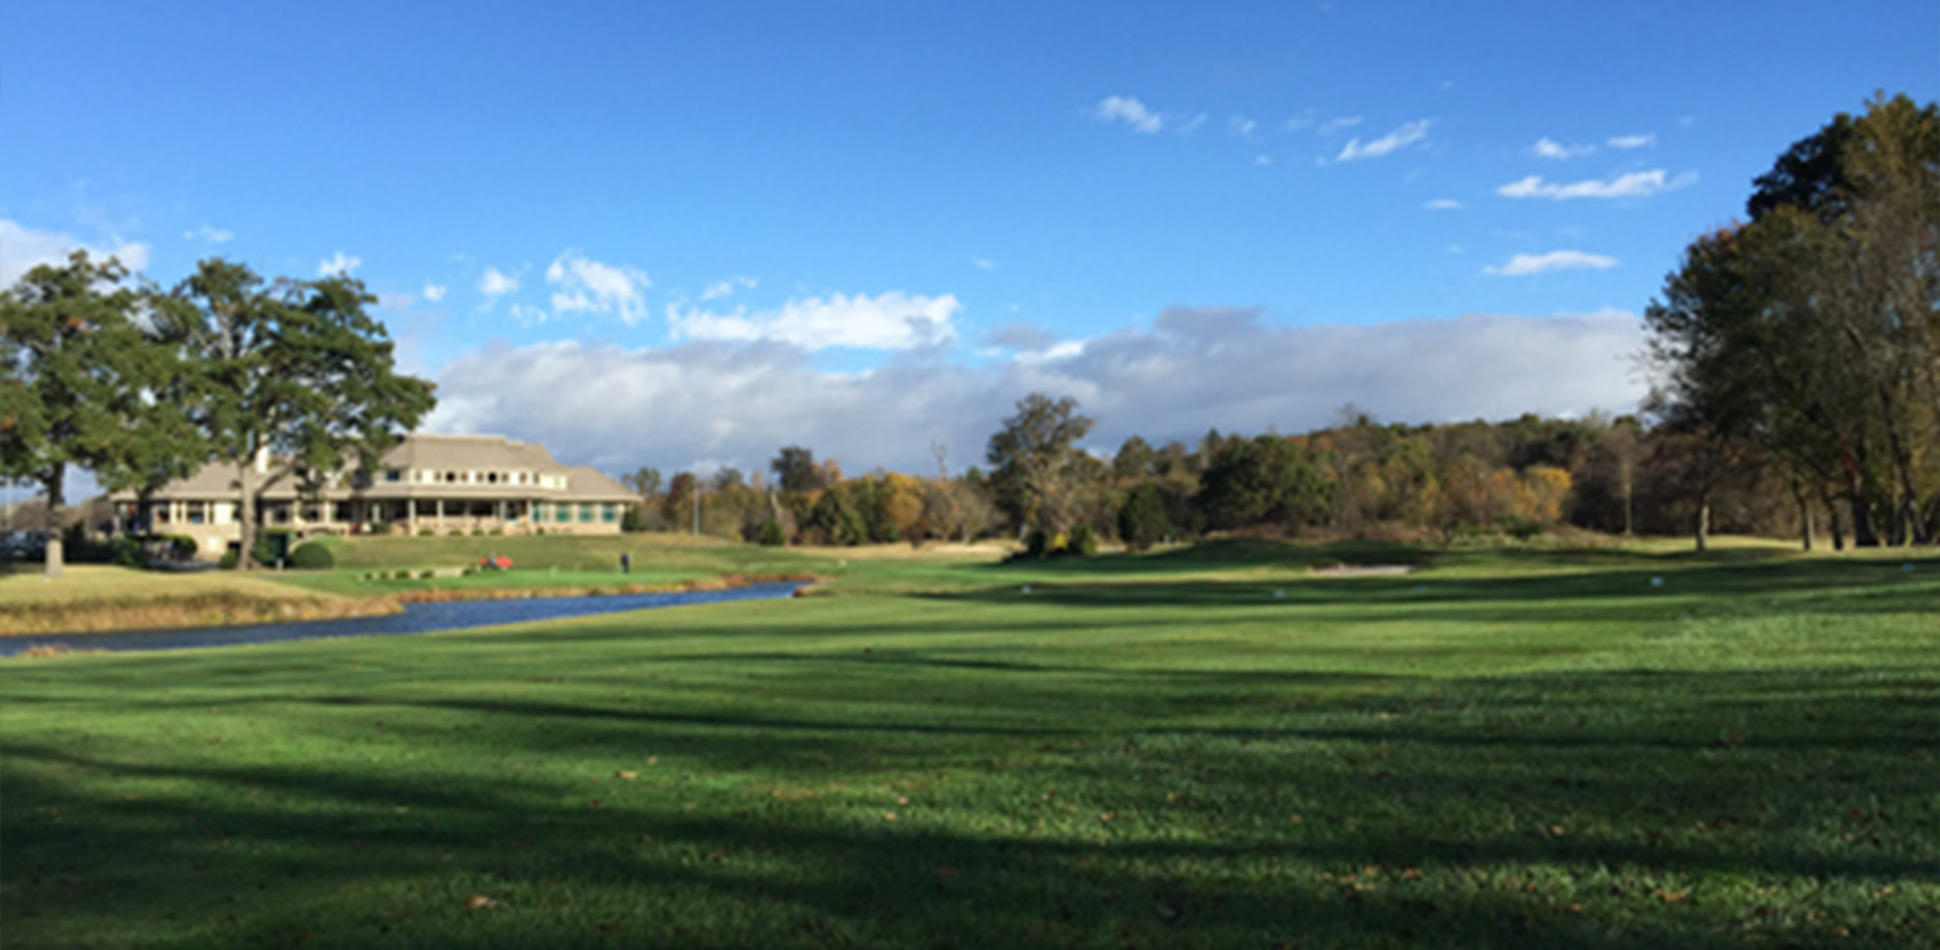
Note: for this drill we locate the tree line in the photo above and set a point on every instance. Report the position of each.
(141, 385)
(1359, 477)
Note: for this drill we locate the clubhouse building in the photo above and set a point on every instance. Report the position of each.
(437, 484)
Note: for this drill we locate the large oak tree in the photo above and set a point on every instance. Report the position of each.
(296, 373)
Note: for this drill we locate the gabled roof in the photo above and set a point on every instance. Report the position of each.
(470, 452)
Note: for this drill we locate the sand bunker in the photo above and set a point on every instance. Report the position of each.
(1361, 570)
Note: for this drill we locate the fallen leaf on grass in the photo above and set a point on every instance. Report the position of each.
(625, 775)
(1672, 897)
(480, 902)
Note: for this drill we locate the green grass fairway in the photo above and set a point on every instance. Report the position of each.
(1204, 747)
(563, 561)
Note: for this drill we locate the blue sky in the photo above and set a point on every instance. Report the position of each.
(867, 226)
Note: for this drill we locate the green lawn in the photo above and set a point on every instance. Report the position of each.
(1203, 748)
(562, 561)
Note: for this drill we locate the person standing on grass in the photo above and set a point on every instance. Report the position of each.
(626, 562)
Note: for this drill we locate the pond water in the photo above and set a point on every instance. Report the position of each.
(416, 618)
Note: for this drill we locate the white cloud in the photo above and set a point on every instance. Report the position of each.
(209, 234)
(1129, 111)
(434, 292)
(1402, 137)
(889, 321)
(22, 249)
(980, 263)
(1645, 140)
(1242, 126)
(583, 285)
(495, 284)
(1523, 265)
(1631, 185)
(1340, 124)
(1552, 149)
(339, 265)
(1444, 204)
(1262, 161)
(727, 288)
(1193, 368)
(1188, 126)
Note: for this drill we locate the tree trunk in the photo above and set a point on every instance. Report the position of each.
(56, 557)
(1704, 522)
(1838, 527)
(1805, 516)
(246, 512)
(1863, 535)
(1852, 460)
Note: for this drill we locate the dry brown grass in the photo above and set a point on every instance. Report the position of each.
(95, 599)
(84, 582)
(724, 582)
(215, 609)
(981, 550)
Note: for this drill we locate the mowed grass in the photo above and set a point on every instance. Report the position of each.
(561, 561)
(1199, 748)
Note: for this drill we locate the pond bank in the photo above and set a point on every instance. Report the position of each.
(103, 612)
(421, 617)
(222, 608)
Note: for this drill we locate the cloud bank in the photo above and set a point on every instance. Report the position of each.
(737, 399)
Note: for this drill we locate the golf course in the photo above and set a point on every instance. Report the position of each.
(1228, 745)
